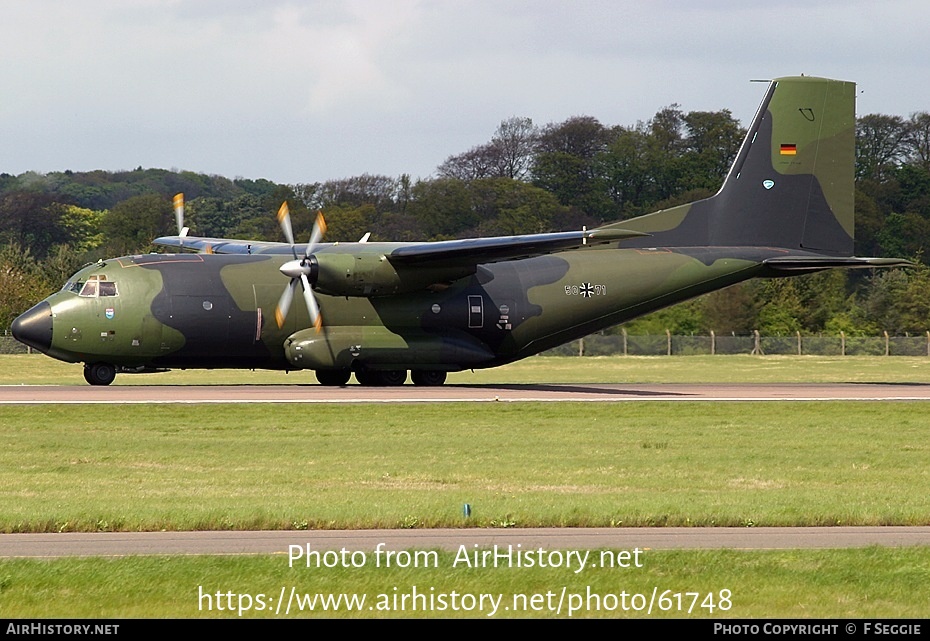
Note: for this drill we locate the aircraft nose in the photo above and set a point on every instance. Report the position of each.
(34, 327)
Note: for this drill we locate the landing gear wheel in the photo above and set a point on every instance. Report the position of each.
(430, 377)
(380, 377)
(368, 378)
(333, 377)
(99, 373)
(393, 377)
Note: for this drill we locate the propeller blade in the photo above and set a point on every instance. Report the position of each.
(284, 303)
(179, 212)
(314, 310)
(179, 217)
(297, 270)
(284, 219)
(319, 230)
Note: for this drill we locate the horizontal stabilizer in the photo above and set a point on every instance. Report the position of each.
(806, 263)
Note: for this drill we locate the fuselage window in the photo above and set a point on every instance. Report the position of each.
(107, 288)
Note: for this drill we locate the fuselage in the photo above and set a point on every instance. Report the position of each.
(216, 311)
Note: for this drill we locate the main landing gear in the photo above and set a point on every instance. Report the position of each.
(380, 377)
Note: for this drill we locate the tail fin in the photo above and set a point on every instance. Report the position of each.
(791, 185)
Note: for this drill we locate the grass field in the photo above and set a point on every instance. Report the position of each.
(868, 583)
(182, 467)
(93, 468)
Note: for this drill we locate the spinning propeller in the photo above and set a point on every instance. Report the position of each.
(182, 230)
(179, 216)
(300, 270)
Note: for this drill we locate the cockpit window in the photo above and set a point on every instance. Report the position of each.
(89, 289)
(96, 285)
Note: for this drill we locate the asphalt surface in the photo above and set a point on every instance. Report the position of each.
(280, 542)
(124, 394)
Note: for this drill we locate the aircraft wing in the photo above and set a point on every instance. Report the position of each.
(475, 251)
(449, 253)
(222, 245)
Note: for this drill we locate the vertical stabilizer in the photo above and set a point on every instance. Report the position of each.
(791, 185)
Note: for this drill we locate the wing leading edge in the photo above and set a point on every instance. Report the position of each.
(469, 251)
(806, 263)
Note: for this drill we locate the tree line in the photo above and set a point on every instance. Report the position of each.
(525, 179)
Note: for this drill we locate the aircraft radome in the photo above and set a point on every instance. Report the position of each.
(379, 310)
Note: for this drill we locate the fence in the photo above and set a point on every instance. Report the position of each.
(671, 345)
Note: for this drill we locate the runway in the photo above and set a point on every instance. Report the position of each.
(194, 394)
(110, 544)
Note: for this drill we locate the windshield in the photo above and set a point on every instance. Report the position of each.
(96, 285)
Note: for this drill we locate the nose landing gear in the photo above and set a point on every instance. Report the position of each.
(99, 373)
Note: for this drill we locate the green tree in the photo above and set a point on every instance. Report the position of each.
(84, 226)
(21, 283)
(132, 224)
(712, 141)
(348, 223)
(904, 234)
(32, 220)
(897, 301)
(508, 207)
(567, 165)
(780, 307)
(881, 143)
(734, 310)
(442, 207)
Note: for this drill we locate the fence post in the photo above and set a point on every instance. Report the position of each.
(668, 343)
(713, 343)
(623, 331)
(581, 346)
(928, 343)
(757, 343)
(842, 343)
(887, 350)
(799, 342)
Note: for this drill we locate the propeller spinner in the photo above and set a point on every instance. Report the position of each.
(300, 270)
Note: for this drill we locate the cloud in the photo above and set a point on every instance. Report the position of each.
(307, 91)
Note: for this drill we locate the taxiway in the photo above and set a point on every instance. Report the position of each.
(123, 394)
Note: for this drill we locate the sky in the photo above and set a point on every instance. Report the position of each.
(308, 91)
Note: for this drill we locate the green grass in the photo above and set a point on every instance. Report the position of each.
(94, 468)
(23, 369)
(180, 467)
(865, 583)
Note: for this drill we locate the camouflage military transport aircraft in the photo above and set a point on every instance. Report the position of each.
(379, 310)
